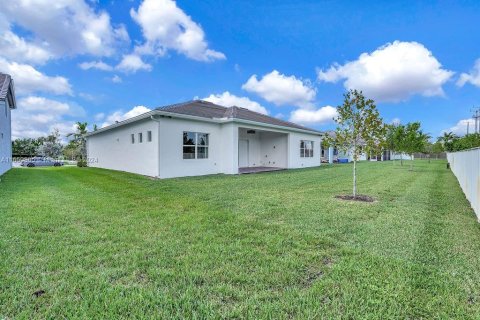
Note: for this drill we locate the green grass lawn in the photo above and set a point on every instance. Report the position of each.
(105, 244)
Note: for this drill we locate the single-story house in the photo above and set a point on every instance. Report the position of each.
(199, 138)
(7, 103)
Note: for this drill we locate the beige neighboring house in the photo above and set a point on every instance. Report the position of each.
(199, 138)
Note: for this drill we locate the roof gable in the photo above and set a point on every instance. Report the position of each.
(7, 90)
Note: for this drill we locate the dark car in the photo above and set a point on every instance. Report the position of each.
(41, 162)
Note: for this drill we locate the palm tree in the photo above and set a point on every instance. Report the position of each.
(447, 140)
(79, 138)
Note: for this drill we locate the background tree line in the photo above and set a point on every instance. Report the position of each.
(52, 145)
(452, 143)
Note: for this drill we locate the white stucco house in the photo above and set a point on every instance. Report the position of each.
(7, 103)
(199, 138)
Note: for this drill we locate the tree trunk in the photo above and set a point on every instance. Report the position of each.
(411, 162)
(401, 159)
(354, 177)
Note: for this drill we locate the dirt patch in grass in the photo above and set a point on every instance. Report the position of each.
(39, 293)
(358, 197)
(312, 276)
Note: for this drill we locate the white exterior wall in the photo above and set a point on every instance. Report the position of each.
(465, 166)
(172, 163)
(399, 156)
(349, 156)
(294, 159)
(229, 149)
(163, 157)
(113, 149)
(274, 149)
(5, 138)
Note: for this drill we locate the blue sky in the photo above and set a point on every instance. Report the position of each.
(101, 61)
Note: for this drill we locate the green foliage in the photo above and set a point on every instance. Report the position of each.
(78, 145)
(415, 140)
(467, 142)
(360, 128)
(51, 146)
(453, 143)
(447, 141)
(436, 147)
(395, 137)
(82, 163)
(26, 146)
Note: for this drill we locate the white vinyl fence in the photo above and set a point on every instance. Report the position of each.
(465, 166)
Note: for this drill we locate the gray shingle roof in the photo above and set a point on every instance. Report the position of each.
(205, 109)
(6, 87)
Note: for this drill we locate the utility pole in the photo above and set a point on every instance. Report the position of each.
(476, 117)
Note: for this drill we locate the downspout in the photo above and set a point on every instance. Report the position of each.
(158, 142)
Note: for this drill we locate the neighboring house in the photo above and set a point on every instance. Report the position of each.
(332, 154)
(7, 103)
(198, 138)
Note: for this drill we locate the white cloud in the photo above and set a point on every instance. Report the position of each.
(100, 65)
(282, 90)
(461, 127)
(119, 115)
(116, 79)
(166, 27)
(318, 116)
(396, 121)
(18, 49)
(28, 79)
(65, 27)
(39, 116)
(393, 72)
(33, 103)
(228, 100)
(473, 77)
(132, 63)
(99, 116)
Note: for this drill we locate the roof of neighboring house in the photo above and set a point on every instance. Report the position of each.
(205, 109)
(7, 90)
(200, 109)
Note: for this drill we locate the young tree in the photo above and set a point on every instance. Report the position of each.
(437, 148)
(360, 128)
(415, 140)
(393, 139)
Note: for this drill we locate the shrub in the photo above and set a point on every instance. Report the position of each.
(81, 163)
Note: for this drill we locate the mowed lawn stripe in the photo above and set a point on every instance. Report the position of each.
(106, 244)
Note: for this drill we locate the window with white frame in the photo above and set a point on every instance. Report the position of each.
(306, 148)
(140, 137)
(149, 136)
(133, 138)
(195, 145)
